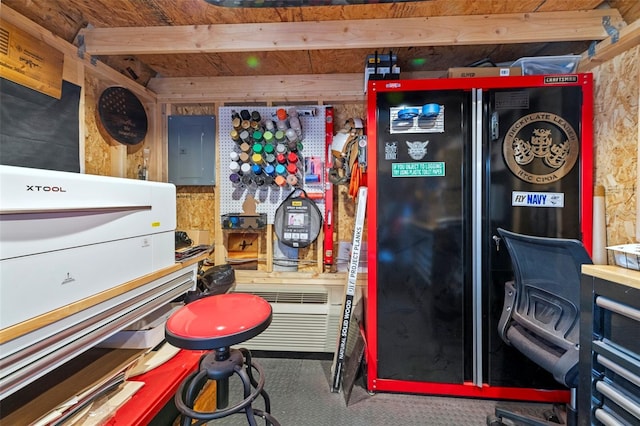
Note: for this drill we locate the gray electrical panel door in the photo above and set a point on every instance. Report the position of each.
(192, 149)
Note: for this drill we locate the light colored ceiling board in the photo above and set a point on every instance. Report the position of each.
(367, 33)
(229, 64)
(628, 38)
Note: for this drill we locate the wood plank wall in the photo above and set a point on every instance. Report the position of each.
(617, 143)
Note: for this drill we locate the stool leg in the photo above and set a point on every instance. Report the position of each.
(246, 384)
(194, 383)
(220, 366)
(222, 385)
(263, 393)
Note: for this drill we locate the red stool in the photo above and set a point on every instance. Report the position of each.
(215, 323)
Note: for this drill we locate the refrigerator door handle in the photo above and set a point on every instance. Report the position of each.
(497, 240)
(476, 225)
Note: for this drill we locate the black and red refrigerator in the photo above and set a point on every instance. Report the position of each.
(450, 161)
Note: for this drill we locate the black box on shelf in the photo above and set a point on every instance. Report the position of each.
(244, 221)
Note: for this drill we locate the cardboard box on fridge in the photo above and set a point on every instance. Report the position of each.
(484, 72)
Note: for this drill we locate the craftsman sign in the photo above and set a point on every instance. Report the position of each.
(423, 169)
(27, 61)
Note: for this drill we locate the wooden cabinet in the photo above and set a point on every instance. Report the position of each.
(609, 388)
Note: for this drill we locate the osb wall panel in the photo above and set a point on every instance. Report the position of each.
(616, 141)
(98, 144)
(195, 205)
(97, 150)
(195, 209)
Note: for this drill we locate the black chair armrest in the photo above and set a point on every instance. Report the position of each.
(507, 309)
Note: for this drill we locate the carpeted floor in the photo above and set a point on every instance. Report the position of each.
(300, 396)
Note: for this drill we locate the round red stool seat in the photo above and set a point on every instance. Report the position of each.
(218, 321)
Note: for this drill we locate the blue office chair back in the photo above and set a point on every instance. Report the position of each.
(541, 316)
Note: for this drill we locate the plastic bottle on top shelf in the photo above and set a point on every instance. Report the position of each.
(281, 158)
(243, 157)
(281, 148)
(270, 126)
(244, 136)
(235, 136)
(234, 167)
(292, 158)
(270, 158)
(234, 156)
(282, 123)
(245, 147)
(292, 139)
(236, 123)
(292, 180)
(257, 148)
(270, 170)
(255, 116)
(292, 169)
(245, 114)
(255, 126)
(247, 180)
(268, 148)
(235, 179)
(281, 170)
(267, 136)
(245, 169)
(259, 180)
(294, 122)
(258, 159)
(280, 180)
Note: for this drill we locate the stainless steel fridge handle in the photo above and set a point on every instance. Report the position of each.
(497, 240)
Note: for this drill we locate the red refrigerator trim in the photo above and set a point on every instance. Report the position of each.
(586, 212)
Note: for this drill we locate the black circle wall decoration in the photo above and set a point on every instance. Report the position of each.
(122, 115)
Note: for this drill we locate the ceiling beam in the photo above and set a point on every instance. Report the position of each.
(628, 38)
(284, 88)
(71, 53)
(353, 34)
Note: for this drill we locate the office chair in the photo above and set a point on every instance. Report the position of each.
(541, 312)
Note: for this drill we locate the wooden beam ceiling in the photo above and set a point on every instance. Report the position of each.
(628, 38)
(536, 27)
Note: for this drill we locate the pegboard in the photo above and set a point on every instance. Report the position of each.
(269, 197)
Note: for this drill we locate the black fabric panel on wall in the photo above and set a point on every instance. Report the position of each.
(37, 130)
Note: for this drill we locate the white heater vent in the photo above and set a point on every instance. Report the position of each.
(291, 297)
(303, 320)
